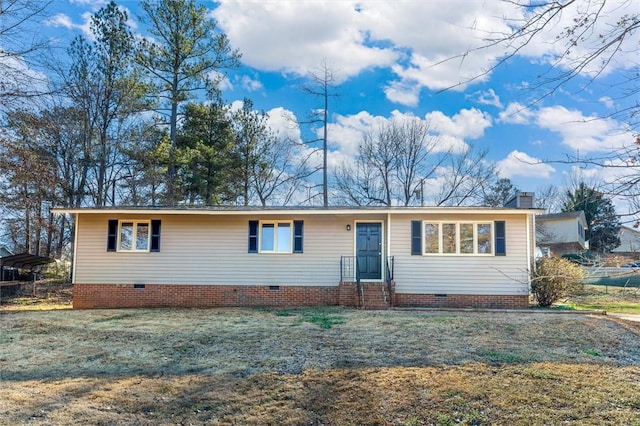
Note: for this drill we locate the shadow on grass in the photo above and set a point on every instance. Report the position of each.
(471, 394)
(243, 342)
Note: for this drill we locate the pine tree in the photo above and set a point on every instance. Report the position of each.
(600, 213)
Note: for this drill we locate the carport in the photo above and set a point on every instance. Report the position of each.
(24, 261)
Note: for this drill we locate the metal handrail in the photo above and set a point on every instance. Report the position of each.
(390, 267)
(389, 276)
(349, 269)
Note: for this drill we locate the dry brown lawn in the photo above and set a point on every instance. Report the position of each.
(324, 366)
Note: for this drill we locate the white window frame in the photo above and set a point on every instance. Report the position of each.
(134, 236)
(276, 224)
(440, 223)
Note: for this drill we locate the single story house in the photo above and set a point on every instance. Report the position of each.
(562, 233)
(371, 257)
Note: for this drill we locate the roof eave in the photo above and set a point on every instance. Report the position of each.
(295, 211)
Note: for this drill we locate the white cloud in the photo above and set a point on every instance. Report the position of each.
(607, 101)
(488, 97)
(449, 143)
(250, 84)
(60, 20)
(554, 47)
(403, 93)
(95, 3)
(467, 124)
(18, 77)
(521, 164)
(283, 122)
(301, 35)
(346, 131)
(583, 134)
(516, 113)
(222, 81)
(436, 46)
(225, 84)
(436, 32)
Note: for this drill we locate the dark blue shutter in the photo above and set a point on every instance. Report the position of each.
(112, 235)
(501, 238)
(297, 236)
(155, 235)
(253, 236)
(416, 237)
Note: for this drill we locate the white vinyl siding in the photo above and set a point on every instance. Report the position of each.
(461, 274)
(561, 230)
(213, 250)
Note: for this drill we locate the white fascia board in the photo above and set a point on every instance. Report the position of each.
(302, 212)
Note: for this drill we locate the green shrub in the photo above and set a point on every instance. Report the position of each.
(555, 278)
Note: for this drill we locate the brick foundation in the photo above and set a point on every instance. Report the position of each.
(461, 301)
(87, 296)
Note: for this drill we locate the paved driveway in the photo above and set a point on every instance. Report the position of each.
(628, 317)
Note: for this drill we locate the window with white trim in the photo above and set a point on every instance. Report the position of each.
(134, 235)
(276, 237)
(457, 238)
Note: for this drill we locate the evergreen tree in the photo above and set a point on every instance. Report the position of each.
(600, 213)
(499, 193)
(205, 144)
(186, 49)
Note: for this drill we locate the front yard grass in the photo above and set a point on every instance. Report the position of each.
(611, 299)
(320, 366)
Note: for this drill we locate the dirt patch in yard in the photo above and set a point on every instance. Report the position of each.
(325, 366)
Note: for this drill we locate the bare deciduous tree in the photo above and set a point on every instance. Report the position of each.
(322, 85)
(395, 160)
(20, 46)
(463, 177)
(106, 88)
(268, 168)
(548, 198)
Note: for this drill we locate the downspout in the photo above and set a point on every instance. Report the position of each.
(531, 220)
(75, 247)
(388, 242)
(386, 262)
(535, 242)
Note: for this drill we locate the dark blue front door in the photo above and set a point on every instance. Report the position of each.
(369, 250)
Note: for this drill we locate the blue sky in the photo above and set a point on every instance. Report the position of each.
(391, 60)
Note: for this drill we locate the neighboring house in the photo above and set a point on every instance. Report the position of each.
(561, 233)
(629, 241)
(4, 252)
(405, 256)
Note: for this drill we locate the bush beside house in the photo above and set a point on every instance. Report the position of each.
(555, 278)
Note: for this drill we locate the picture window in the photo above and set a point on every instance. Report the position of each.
(457, 238)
